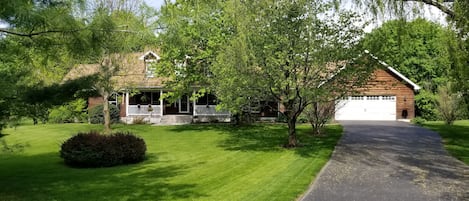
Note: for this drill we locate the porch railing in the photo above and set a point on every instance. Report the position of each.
(143, 110)
(208, 110)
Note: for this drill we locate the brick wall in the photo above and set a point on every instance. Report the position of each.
(122, 107)
(94, 101)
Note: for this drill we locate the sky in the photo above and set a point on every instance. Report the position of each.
(429, 12)
(155, 3)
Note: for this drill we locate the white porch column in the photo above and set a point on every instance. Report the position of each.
(194, 102)
(161, 102)
(126, 104)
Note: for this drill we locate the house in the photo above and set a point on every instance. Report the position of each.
(139, 92)
(388, 96)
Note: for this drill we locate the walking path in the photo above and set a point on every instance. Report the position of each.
(379, 161)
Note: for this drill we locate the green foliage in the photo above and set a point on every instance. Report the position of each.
(246, 52)
(96, 114)
(44, 39)
(419, 121)
(318, 114)
(419, 50)
(95, 150)
(194, 33)
(71, 112)
(448, 104)
(425, 101)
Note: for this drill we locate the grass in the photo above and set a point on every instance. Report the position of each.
(195, 162)
(455, 137)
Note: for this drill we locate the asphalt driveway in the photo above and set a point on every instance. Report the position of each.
(379, 161)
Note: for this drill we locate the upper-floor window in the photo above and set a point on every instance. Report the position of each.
(150, 59)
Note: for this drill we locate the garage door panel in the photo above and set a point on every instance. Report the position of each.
(366, 108)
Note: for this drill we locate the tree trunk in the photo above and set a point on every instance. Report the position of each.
(292, 141)
(107, 115)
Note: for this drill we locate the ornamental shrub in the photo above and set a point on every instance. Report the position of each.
(95, 150)
(69, 112)
(97, 116)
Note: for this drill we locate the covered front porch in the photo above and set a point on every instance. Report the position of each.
(151, 107)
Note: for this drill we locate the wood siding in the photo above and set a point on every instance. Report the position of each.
(384, 82)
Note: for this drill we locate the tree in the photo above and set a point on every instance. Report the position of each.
(284, 51)
(111, 46)
(419, 50)
(263, 50)
(457, 12)
(448, 104)
(192, 34)
(46, 38)
(319, 114)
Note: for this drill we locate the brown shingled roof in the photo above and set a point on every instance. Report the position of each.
(131, 73)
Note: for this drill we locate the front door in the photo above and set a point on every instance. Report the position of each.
(180, 106)
(184, 104)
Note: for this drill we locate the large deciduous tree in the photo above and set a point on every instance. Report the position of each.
(457, 14)
(264, 50)
(419, 50)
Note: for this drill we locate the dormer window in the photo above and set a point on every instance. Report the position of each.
(150, 59)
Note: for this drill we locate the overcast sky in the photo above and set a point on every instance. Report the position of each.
(155, 3)
(430, 13)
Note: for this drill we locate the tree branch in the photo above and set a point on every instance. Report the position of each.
(438, 5)
(54, 31)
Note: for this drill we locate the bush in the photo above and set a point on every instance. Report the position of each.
(97, 116)
(448, 104)
(425, 105)
(68, 113)
(418, 121)
(95, 150)
(60, 115)
(139, 120)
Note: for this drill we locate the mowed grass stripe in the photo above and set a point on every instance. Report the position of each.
(196, 162)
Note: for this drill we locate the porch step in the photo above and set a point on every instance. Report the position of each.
(175, 120)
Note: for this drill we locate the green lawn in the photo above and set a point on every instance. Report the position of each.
(455, 137)
(196, 162)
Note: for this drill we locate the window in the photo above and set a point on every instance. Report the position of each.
(357, 98)
(145, 98)
(389, 97)
(113, 99)
(155, 98)
(207, 99)
(372, 98)
(150, 67)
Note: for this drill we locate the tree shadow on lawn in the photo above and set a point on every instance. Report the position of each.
(268, 137)
(45, 177)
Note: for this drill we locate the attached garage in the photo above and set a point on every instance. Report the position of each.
(373, 107)
(388, 95)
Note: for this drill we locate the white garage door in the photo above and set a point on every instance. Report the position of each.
(366, 108)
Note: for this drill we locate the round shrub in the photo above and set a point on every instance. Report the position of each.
(95, 150)
(97, 116)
